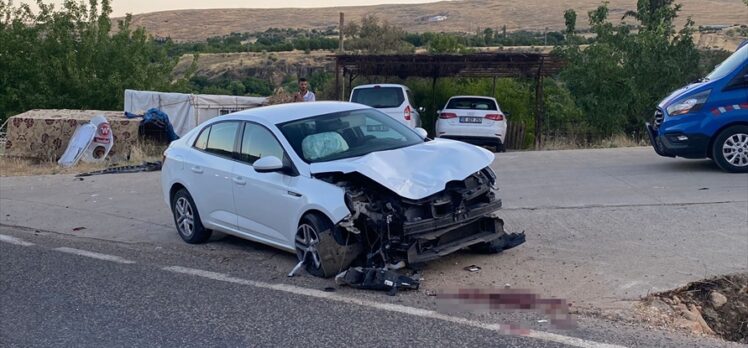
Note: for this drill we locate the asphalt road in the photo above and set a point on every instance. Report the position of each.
(58, 291)
(604, 228)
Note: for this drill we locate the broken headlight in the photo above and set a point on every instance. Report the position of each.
(491, 176)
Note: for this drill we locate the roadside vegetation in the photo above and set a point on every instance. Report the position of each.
(143, 151)
(618, 68)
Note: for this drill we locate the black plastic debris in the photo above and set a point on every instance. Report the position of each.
(472, 268)
(145, 167)
(376, 279)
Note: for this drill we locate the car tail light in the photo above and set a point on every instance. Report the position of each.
(408, 113)
(447, 115)
(495, 117)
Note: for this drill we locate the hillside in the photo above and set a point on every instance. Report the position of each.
(468, 16)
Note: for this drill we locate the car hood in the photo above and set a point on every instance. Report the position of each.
(416, 171)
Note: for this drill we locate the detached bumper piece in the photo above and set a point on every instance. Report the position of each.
(443, 242)
(376, 279)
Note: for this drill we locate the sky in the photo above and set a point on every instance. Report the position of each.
(121, 7)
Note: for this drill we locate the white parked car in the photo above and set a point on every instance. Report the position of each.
(473, 119)
(394, 100)
(314, 179)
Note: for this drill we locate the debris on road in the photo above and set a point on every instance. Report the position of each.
(472, 268)
(715, 306)
(145, 167)
(376, 279)
(79, 228)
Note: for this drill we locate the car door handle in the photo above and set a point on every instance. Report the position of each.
(239, 181)
(197, 169)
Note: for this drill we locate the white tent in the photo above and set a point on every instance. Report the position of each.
(186, 111)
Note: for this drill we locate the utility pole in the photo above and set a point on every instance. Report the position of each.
(338, 68)
(340, 30)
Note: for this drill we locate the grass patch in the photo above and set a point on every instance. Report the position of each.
(574, 142)
(144, 151)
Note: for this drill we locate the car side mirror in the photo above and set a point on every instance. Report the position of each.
(507, 114)
(422, 132)
(421, 109)
(438, 112)
(268, 164)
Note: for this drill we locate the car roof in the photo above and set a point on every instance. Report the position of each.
(281, 113)
(472, 96)
(381, 85)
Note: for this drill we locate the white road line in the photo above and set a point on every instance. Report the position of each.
(94, 255)
(14, 240)
(503, 329)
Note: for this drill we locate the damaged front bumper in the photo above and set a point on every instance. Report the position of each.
(443, 242)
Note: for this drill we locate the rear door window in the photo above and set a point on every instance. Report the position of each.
(379, 97)
(471, 104)
(222, 137)
(202, 140)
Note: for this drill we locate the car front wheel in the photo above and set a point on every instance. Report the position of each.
(187, 219)
(324, 255)
(730, 149)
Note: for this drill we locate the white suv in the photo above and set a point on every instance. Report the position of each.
(473, 119)
(394, 100)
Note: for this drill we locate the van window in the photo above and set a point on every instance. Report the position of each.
(411, 99)
(730, 64)
(379, 97)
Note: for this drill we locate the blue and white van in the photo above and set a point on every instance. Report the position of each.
(708, 118)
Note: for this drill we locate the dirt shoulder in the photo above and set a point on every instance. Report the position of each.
(715, 306)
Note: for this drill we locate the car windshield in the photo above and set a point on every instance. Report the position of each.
(471, 104)
(379, 97)
(730, 64)
(346, 134)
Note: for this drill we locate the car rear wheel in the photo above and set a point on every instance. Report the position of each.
(324, 254)
(730, 149)
(500, 146)
(187, 219)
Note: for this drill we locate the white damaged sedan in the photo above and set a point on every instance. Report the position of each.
(336, 183)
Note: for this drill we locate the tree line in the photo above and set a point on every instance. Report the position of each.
(616, 72)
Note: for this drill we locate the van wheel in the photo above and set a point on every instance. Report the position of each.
(187, 219)
(324, 255)
(730, 149)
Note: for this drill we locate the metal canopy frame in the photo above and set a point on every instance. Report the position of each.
(480, 65)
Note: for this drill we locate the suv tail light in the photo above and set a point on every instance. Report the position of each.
(408, 113)
(447, 115)
(495, 117)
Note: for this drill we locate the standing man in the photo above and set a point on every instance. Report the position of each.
(304, 94)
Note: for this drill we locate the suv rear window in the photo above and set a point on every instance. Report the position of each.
(471, 104)
(379, 97)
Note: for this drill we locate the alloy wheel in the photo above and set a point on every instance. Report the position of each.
(735, 150)
(185, 217)
(307, 240)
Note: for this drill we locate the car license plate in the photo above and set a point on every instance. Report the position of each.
(471, 119)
